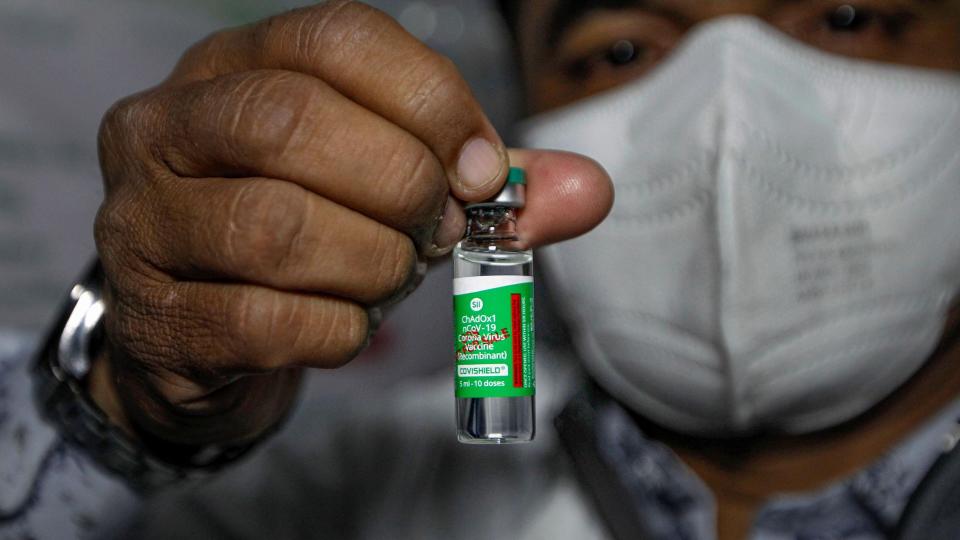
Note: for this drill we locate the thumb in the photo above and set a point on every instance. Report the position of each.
(567, 195)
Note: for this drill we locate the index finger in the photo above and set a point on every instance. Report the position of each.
(369, 58)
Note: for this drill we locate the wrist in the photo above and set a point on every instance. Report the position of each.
(76, 391)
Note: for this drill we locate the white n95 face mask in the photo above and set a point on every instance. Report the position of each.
(785, 240)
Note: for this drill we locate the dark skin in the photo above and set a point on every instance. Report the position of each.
(568, 53)
(247, 235)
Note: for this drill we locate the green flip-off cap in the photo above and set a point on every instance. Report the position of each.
(517, 176)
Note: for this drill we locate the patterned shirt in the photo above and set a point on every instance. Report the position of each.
(400, 474)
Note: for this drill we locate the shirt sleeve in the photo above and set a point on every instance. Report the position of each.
(48, 487)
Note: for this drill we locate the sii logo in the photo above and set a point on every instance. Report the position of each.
(476, 304)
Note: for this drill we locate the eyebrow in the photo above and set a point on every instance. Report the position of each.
(566, 13)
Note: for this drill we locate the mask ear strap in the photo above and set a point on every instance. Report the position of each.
(933, 512)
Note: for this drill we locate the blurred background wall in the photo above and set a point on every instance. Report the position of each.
(64, 62)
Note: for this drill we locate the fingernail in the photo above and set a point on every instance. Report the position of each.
(450, 229)
(480, 163)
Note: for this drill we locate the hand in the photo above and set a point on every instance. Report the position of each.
(285, 181)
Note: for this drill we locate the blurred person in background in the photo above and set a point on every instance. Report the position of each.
(763, 321)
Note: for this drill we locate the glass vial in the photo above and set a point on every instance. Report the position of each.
(493, 320)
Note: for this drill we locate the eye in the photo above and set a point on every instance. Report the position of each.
(623, 52)
(608, 60)
(847, 18)
(868, 29)
(913, 32)
(605, 49)
(852, 20)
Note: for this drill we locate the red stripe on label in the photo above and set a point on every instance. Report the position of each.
(517, 316)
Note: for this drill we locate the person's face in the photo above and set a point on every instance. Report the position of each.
(571, 49)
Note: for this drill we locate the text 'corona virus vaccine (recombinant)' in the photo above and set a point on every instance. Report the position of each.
(493, 322)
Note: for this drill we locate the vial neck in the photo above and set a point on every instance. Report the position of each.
(490, 226)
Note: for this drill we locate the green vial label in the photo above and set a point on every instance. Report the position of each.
(493, 325)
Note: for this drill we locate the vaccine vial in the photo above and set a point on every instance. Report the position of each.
(493, 322)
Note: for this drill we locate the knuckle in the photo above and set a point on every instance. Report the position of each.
(119, 118)
(395, 260)
(317, 31)
(269, 331)
(265, 225)
(419, 193)
(108, 232)
(250, 323)
(345, 326)
(263, 114)
(106, 227)
(142, 324)
(112, 126)
(437, 94)
(124, 131)
(167, 326)
(198, 61)
(119, 230)
(333, 25)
